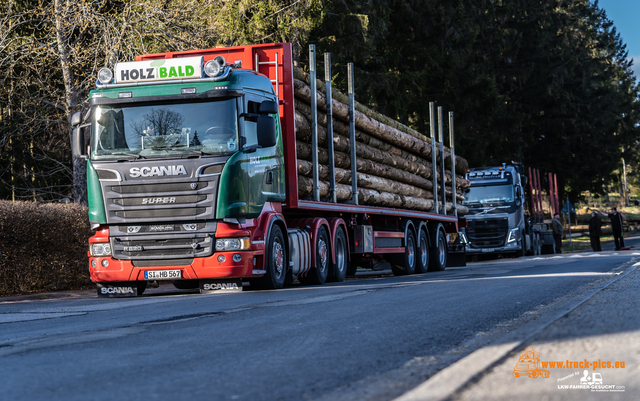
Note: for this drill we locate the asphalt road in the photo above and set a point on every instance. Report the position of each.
(370, 338)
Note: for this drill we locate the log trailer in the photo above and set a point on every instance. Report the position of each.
(497, 222)
(192, 177)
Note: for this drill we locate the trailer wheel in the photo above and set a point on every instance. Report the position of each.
(341, 265)
(423, 252)
(405, 263)
(275, 262)
(439, 254)
(318, 274)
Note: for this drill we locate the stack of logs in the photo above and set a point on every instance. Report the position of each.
(393, 161)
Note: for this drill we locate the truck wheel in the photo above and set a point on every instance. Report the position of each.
(318, 274)
(275, 261)
(423, 252)
(341, 265)
(405, 263)
(439, 254)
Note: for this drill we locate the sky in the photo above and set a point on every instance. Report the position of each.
(625, 15)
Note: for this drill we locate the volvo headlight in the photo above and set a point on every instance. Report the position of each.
(233, 244)
(514, 235)
(101, 249)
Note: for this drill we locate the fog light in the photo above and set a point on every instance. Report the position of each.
(105, 262)
(221, 258)
(94, 263)
(237, 257)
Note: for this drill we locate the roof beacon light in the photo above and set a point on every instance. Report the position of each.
(105, 75)
(213, 68)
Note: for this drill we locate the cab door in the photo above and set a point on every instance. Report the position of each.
(264, 166)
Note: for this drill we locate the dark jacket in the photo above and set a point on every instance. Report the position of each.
(616, 222)
(595, 226)
(556, 226)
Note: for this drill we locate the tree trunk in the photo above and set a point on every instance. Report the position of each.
(421, 145)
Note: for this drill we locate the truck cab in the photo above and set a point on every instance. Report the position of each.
(496, 222)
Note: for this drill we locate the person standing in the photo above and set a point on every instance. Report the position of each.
(595, 231)
(557, 228)
(616, 226)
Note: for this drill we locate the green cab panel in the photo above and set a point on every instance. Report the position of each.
(250, 179)
(94, 195)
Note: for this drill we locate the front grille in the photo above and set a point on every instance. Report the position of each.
(176, 246)
(487, 233)
(133, 203)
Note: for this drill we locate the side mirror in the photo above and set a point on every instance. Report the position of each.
(266, 131)
(76, 119)
(268, 107)
(518, 192)
(78, 143)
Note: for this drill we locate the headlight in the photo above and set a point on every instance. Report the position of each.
(105, 76)
(463, 237)
(233, 244)
(212, 68)
(513, 235)
(100, 250)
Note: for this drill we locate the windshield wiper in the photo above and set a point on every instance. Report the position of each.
(137, 156)
(198, 152)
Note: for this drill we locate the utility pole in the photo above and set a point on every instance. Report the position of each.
(626, 191)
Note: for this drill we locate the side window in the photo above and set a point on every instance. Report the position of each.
(250, 124)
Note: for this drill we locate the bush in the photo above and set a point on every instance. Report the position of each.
(43, 247)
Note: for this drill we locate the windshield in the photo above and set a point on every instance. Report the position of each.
(164, 129)
(489, 194)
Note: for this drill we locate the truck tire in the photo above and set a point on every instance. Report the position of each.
(339, 268)
(422, 265)
(439, 254)
(405, 263)
(318, 274)
(275, 261)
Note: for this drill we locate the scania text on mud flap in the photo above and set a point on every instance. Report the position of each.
(192, 176)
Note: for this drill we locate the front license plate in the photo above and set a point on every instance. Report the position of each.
(162, 274)
(486, 250)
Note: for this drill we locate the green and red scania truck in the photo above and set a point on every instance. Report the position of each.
(192, 177)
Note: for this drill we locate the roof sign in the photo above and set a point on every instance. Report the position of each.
(159, 70)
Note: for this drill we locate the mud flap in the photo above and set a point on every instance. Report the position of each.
(225, 285)
(118, 289)
(457, 255)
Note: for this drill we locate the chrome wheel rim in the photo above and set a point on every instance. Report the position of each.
(278, 257)
(340, 254)
(442, 254)
(322, 252)
(411, 252)
(424, 249)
